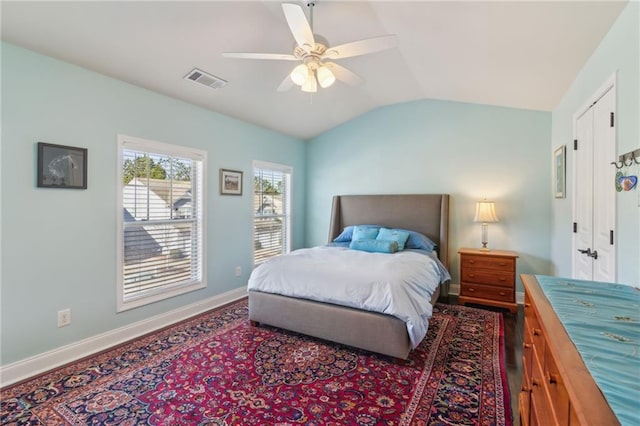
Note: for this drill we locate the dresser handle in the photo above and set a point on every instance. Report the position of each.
(472, 275)
(472, 290)
(502, 293)
(525, 389)
(472, 261)
(527, 345)
(502, 264)
(553, 378)
(527, 305)
(537, 332)
(534, 382)
(502, 279)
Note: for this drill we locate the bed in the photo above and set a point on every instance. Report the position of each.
(427, 214)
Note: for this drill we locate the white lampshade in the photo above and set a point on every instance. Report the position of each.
(325, 77)
(310, 85)
(485, 212)
(300, 74)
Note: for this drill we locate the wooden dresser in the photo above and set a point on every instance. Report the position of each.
(557, 388)
(488, 277)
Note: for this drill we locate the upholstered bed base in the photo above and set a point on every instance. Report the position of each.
(381, 333)
(367, 330)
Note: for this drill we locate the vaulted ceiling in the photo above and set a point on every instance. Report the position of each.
(517, 54)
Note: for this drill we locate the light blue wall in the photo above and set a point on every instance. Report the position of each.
(469, 151)
(59, 246)
(619, 51)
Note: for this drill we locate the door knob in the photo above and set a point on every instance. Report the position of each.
(587, 251)
(593, 254)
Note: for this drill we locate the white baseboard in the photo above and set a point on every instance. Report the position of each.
(454, 288)
(49, 360)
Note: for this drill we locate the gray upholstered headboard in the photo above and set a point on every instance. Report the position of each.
(424, 213)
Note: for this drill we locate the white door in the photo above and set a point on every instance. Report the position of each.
(594, 192)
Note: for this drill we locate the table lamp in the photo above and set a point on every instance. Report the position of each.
(485, 213)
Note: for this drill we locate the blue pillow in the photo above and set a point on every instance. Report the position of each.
(397, 235)
(347, 233)
(419, 241)
(364, 233)
(375, 246)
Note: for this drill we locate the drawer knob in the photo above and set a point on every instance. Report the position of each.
(472, 261)
(527, 345)
(527, 305)
(471, 290)
(534, 382)
(553, 378)
(502, 279)
(502, 264)
(472, 275)
(525, 388)
(537, 332)
(502, 293)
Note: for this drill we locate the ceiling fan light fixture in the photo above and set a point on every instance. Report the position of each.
(300, 74)
(325, 77)
(311, 85)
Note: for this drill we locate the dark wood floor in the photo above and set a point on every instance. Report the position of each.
(513, 334)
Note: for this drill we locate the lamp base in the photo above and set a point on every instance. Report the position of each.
(485, 249)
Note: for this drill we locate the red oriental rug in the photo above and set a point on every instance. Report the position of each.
(216, 369)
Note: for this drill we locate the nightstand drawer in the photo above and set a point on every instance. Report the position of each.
(487, 292)
(486, 262)
(473, 275)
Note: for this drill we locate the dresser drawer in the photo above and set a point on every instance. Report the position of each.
(473, 275)
(485, 262)
(556, 389)
(539, 396)
(487, 292)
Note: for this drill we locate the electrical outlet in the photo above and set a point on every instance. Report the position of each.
(238, 271)
(64, 317)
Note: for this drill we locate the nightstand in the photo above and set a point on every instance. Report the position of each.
(488, 278)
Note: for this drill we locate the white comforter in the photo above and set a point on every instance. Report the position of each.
(399, 284)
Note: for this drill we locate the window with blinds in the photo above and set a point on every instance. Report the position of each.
(161, 227)
(272, 214)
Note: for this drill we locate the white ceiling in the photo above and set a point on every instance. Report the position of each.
(517, 54)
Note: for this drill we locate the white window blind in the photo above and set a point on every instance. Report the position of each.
(272, 213)
(161, 221)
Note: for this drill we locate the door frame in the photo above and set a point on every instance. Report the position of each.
(609, 85)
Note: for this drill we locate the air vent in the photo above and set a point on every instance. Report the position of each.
(205, 78)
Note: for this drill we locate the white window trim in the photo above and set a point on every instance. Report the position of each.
(258, 164)
(135, 143)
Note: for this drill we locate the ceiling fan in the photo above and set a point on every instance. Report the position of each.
(315, 53)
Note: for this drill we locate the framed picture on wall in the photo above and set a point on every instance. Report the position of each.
(61, 166)
(230, 182)
(559, 171)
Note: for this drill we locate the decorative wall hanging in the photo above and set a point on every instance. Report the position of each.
(625, 181)
(61, 166)
(230, 182)
(559, 168)
(628, 182)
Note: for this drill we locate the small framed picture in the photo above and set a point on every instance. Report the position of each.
(559, 171)
(230, 182)
(61, 166)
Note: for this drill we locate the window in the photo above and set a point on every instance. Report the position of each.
(160, 221)
(272, 211)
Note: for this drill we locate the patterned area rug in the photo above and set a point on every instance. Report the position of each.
(216, 369)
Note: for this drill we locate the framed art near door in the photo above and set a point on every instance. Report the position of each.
(559, 171)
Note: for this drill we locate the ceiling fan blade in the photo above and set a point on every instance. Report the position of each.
(343, 74)
(361, 47)
(299, 26)
(286, 84)
(271, 56)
